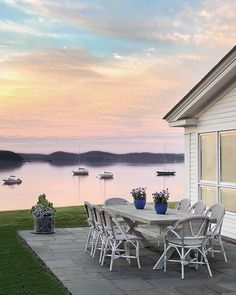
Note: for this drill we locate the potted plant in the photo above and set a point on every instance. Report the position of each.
(43, 214)
(161, 201)
(139, 195)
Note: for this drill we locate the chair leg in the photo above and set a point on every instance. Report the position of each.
(104, 253)
(164, 256)
(93, 242)
(88, 239)
(102, 249)
(95, 245)
(182, 263)
(137, 254)
(113, 250)
(222, 248)
(126, 248)
(206, 261)
(165, 250)
(212, 248)
(197, 257)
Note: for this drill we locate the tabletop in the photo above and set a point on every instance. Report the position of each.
(148, 215)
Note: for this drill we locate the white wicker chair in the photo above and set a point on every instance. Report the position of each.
(183, 204)
(100, 235)
(197, 208)
(117, 240)
(92, 229)
(184, 236)
(216, 212)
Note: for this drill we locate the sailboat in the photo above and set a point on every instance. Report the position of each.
(81, 171)
(165, 172)
(105, 175)
(12, 180)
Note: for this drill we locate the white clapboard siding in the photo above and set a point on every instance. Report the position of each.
(193, 168)
(222, 114)
(228, 228)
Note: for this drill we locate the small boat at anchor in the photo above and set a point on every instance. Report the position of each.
(81, 171)
(165, 173)
(105, 175)
(12, 180)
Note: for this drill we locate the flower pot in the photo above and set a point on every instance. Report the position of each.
(160, 208)
(44, 225)
(139, 203)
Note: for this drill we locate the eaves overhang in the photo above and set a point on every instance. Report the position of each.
(184, 123)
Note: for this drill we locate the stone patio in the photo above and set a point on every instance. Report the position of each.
(63, 253)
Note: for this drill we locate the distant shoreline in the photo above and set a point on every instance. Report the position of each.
(60, 158)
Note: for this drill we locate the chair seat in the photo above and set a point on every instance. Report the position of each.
(121, 237)
(190, 242)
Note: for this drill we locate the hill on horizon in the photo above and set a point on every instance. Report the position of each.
(93, 157)
(8, 156)
(99, 156)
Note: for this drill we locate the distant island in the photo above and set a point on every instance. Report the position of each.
(7, 156)
(60, 157)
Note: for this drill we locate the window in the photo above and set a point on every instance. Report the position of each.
(208, 195)
(217, 171)
(208, 157)
(228, 157)
(228, 198)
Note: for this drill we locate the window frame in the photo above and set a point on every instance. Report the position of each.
(214, 184)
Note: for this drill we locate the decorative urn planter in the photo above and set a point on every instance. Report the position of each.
(44, 225)
(43, 214)
(160, 208)
(139, 203)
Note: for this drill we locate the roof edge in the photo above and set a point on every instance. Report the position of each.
(207, 76)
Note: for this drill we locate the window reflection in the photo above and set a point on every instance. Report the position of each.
(208, 195)
(228, 198)
(228, 157)
(208, 157)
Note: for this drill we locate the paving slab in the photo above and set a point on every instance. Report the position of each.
(195, 290)
(63, 253)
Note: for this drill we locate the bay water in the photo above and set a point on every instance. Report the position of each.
(64, 189)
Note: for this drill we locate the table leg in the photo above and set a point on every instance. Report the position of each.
(160, 261)
(132, 224)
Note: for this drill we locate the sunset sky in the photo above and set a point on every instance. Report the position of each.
(100, 75)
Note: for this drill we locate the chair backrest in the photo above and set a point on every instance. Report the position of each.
(216, 212)
(198, 208)
(89, 211)
(193, 228)
(97, 211)
(115, 201)
(183, 204)
(111, 224)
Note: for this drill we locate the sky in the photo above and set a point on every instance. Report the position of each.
(100, 75)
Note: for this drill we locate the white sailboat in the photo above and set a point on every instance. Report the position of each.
(81, 171)
(12, 180)
(165, 172)
(106, 175)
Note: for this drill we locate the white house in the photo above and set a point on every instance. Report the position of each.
(208, 114)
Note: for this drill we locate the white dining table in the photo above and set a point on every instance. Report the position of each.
(146, 221)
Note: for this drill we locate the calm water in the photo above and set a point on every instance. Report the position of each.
(63, 189)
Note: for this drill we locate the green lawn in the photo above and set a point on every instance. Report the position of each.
(21, 272)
